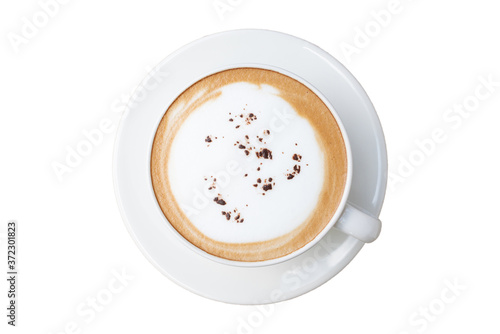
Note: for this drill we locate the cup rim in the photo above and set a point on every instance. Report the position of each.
(340, 208)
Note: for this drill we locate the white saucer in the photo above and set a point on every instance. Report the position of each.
(147, 224)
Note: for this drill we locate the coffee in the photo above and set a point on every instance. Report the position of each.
(248, 164)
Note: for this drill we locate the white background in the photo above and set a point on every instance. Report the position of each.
(440, 220)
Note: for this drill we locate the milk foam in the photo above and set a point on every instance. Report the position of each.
(207, 147)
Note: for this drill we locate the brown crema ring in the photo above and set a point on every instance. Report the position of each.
(308, 105)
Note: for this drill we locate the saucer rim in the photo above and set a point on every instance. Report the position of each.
(354, 245)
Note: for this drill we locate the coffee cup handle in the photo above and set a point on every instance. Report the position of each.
(359, 224)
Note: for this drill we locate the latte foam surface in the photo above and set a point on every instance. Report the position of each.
(228, 190)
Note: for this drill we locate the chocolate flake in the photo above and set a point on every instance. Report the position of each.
(247, 152)
(259, 180)
(208, 139)
(237, 216)
(237, 126)
(264, 153)
(296, 168)
(213, 185)
(250, 118)
(296, 171)
(267, 187)
(219, 201)
(241, 146)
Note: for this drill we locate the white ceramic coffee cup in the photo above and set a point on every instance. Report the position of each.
(347, 218)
